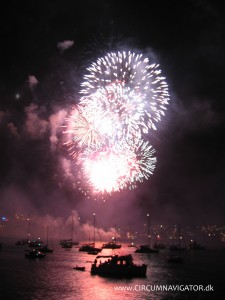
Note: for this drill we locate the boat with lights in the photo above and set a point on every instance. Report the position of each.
(34, 253)
(118, 267)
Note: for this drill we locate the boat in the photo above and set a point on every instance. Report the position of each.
(94, 251)
(147, 248)
(113, 244)
(177, 247)
(90, 247)
(174, 259)
(36, 243)
(45, 248)
(69, 243)
(79, 268)
(66, 243)
(118, 266)
(132, 245)
(86, 247)
(196, 246)
(34, 253)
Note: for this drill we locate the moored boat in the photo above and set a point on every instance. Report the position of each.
(34, 253)
(146, 249)
(90, 248)
(79, 268)
(132, 245)
(66, 243)
(118, 266)
(36, 243)
(111, 245)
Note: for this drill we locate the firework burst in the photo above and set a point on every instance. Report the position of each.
(118, 167)
(123, 96)
(135, 80)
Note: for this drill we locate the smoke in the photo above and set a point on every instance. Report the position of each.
(13, 129)
(21, 224)
(32, 81)
(62, 46)
(199, 116)
(34, 125)
(55, 122)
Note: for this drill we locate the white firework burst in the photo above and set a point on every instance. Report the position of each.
(130, 78)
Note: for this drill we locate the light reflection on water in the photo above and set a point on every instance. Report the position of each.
(53, 277)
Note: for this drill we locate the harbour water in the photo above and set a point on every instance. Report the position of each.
(54, 277)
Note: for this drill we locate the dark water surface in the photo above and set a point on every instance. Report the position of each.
(54, 278)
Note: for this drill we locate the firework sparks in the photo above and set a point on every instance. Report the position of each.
(85, 127)
(123, 96)
(136, 81)
(118, 167)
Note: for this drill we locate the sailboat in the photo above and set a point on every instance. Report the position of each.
(147, 248)
(69, 243)
(178, 246)
(172, 258)
(113, 244)
(45, 248)
(90, 247)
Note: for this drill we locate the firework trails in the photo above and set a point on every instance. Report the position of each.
(123, 97)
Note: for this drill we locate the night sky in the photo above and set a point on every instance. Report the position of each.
(45, 48)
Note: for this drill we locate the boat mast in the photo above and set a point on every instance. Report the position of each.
(94, 228)
(72, 228)
(149, 238)
(179, 235)
(28, 233)
(47, 236)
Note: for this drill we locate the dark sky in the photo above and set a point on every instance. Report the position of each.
(39, 80)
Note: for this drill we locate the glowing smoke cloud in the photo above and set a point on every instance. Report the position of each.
(123, 96)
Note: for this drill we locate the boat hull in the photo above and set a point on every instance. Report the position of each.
(119, 271)
(118, 266)
(146, 249)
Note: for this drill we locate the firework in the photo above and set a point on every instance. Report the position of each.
(137, 85)
(87, 127)
(123, 96)
(121, 108)
(118, 167)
